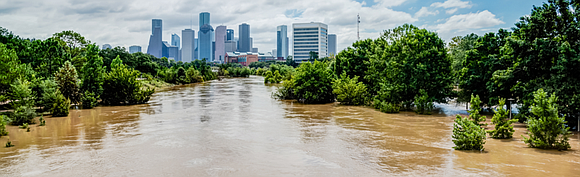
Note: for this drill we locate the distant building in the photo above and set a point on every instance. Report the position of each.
(106, 46)
(282, 41)
(175, 40)
(309, 37)
(275, 52)
(220, 43)
(332, 44)
(254, 50)
(155, 44)
(170, 52)
(203, 19)
(205, 47)
(231, 46)
(244, 38)
(230, 35)
(188, 48)
(246, 58)
(134, 49)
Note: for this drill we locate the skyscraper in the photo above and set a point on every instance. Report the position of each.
(188, 48)
(175, 40)
(282, 42)
(230, 35)
(332, 44)
(220, 40)
(205, 48)
(106, 46)
(134, 49)
(245, 43)
(309, 37)
(203, 19)
(155, 43)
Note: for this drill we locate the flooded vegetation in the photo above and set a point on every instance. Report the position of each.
(234, 127)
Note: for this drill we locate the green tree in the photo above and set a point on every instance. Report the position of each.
(467, 135)
(61, 105)
(92, 80)
(313, 83)
(423, 103)
(312, 56)
(355, 61)
(3, 123)
(121, 86)
(503, 126)
(74, 42)
(23, 102)
(349, 91)
(11, 70)
(47, 92)
(67, 80)
(546, 129)
(474, 111)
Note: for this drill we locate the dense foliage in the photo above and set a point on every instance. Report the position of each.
(503, 126)
(475, 111)
(121, 86)
(313, 83)
(68, 83)
(61, 105)
(349, 91)
(3, 123)
(547, 130)
(467, 133)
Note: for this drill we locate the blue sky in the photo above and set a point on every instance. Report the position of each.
(128, 22)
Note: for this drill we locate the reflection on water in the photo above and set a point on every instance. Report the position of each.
(234, 128)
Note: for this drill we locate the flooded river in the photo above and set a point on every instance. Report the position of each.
(234, 128)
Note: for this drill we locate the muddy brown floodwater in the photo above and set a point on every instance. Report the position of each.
(234, 128)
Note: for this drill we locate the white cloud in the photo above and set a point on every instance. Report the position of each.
(424, 11)
(452, 3)
(477, 20)
(128, 22)
(451, 11)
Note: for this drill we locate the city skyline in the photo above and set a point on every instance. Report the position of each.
(128, 22)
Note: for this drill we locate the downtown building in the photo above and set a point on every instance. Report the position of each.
(155, 40)
(206, 38)
(188, 45)
(282, 42)
(332, 45)
(220, 44)
(134, 49)
(245, 43)
(309, 37)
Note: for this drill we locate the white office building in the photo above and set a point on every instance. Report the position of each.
(307, 37)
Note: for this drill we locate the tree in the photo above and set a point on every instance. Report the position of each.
(313, 83)
(467, 135)
(121, 86)
(503, 126)
(61, 105)
(92, 80)
(423, 103)
(23, 101)
(11, 69)
(349, 91)
(355, 61)
(3, 123)
(67, 80)
(474, 110)
(312, 56)
(547, 130)
(74, 42)
(458, 48)
(47, 91)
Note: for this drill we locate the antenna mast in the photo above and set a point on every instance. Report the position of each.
(357, 28)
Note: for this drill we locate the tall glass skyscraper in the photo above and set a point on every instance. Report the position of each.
(134, 49)
(203, 19)
(282, 42)
(205, 48)
(245, 44)
(309, 37)
(230, 35)
(332, 44)
(155, 43)
(175, 40)
(188, 48)
(220, 42)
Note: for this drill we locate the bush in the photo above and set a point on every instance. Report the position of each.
(93, 73)
(42, 121)
(546, 129)
(47, 91)
(272, 78)
(193, 76)
(503, 127)
(3, 123)
(121, 86)
(60, 107)
(286, 91)
(467, 135)
(313, 83)
(349, 91)
(474, 111)
(386, 107)
(22, 115)
(424, 105)
(67, 80)
(89, 100)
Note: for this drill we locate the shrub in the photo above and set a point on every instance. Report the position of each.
(3, 123)
(424, 105)
(286, 91)
(467, 135)
(503, 127)
(546, 129)
(474, 111)
(42, 121)
(386, 107)
(121, 86)
(349, 91)
(22, 94)
(272, 78)
(93, 72)
(9, 143)
(313, 83)
(48, 91)
(67, 80)
(193, 76)
(22, 115)
(60, 107)
(89, 100)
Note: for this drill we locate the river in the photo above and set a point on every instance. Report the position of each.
(233, 127)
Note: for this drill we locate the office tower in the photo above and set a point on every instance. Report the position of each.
(244, 37)
(282, 42)
(169, 51)
(251, 43)
(155, 43)
(134, 49)
(175, 40)
(196, 42)
(220, 43)
(188, 48)
(230, 46)
(309, 37)
(332, 44)
(203, 19)
(106, 46)
(205, 47)
(274, 52)
(230, 35)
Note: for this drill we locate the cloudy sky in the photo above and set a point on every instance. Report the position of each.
(128, 22)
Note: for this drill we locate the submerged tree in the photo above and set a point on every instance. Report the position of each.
(474, 111)
(121, 86)
(467, 134)
(546, 129)
(503, 126)
(349, 91)
(67, 80)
